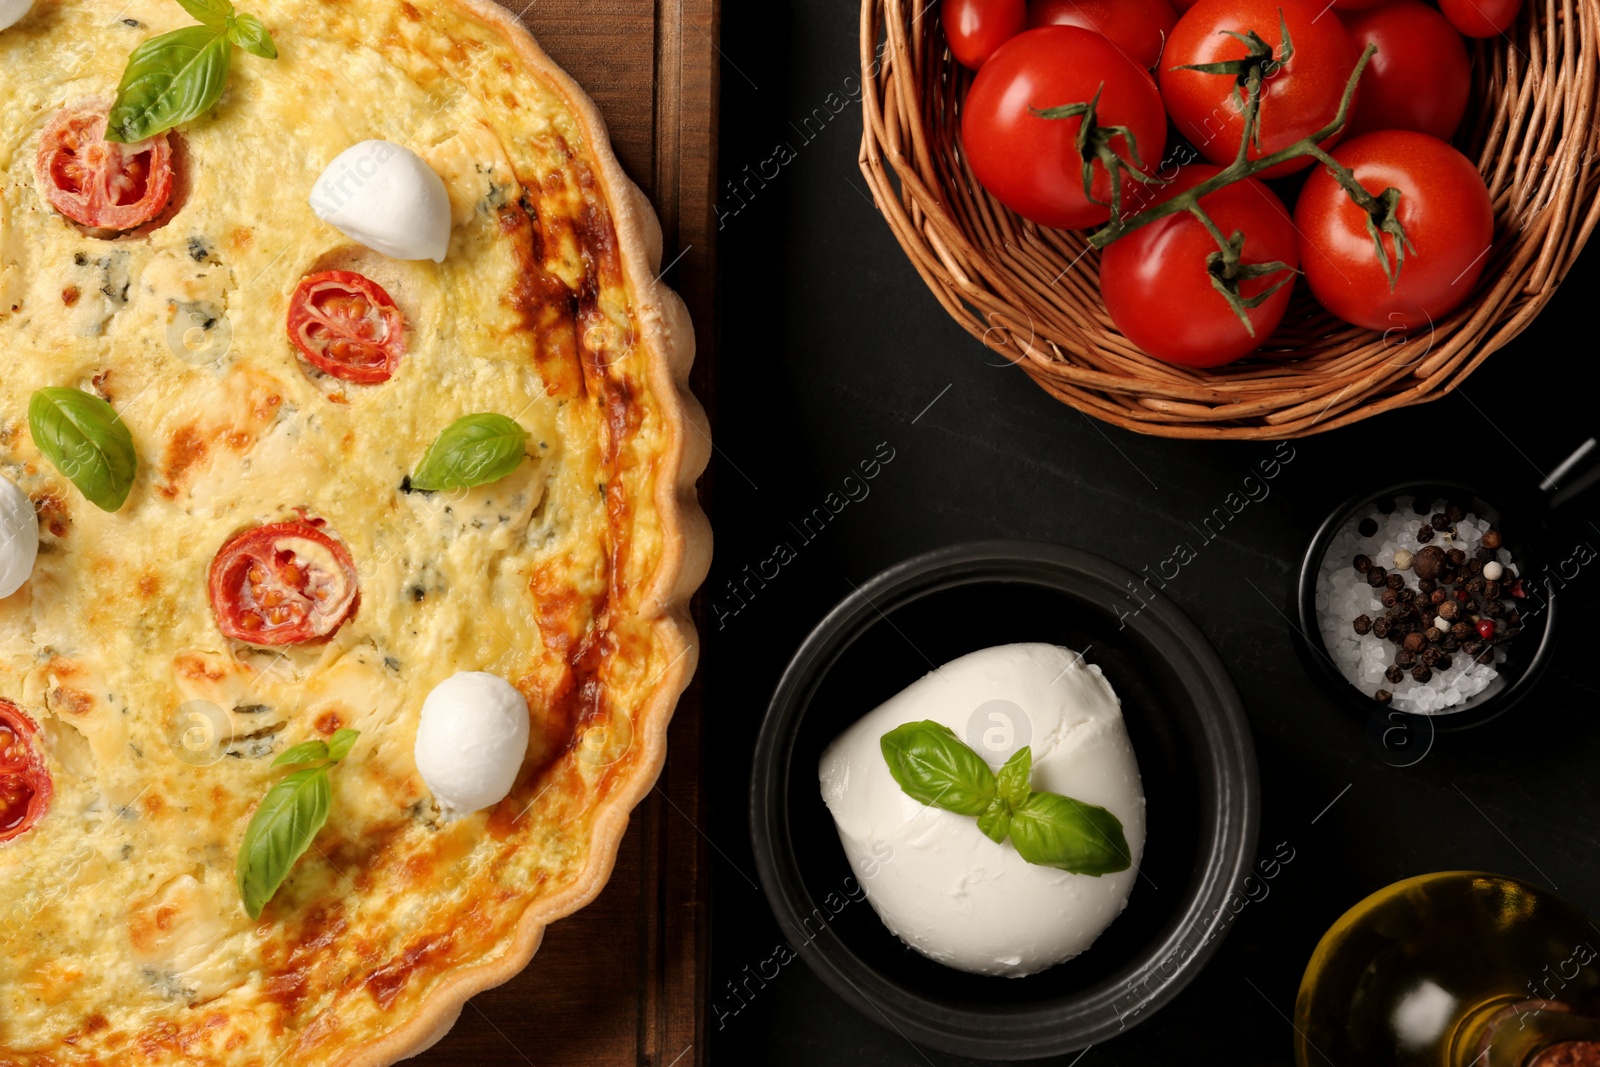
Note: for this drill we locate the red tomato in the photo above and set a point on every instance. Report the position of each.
(975, 28)
(1356, 5)
(1032, 164)
(1444, 208)
(1299, 97)
(1180, 6)
(1157, 280)
(282, 584)
(25, 785)
(99, 183)
(346, 325)
(1481, 18)
(1420, 76)
(1138, 27)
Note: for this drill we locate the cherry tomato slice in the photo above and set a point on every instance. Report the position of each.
(25, 785)
(346, 325)
(1138, 27)
(99, 183)
(975, 28)
(282, 584)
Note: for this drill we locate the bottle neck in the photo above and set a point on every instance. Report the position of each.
(1527, 1033)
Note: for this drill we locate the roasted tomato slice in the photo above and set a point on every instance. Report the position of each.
(346, 325)
(24, 782)
(282, 584)
(99, 183)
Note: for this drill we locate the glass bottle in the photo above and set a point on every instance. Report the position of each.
(1457, 969)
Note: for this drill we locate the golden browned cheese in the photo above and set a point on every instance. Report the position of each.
(122, 936)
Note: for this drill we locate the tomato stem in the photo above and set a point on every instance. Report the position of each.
(1243, 167)
(1228, 274)
(1094, 144)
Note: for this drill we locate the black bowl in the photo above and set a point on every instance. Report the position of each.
(1195, 756)
(1522, 527)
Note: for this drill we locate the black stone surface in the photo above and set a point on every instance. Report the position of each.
(833, 353)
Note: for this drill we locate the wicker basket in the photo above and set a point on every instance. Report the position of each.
(1032, 294)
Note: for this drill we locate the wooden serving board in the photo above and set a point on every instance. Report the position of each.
(623, 982)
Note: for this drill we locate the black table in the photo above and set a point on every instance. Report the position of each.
(833, 352)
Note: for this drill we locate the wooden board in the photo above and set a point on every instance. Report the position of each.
(623, 981)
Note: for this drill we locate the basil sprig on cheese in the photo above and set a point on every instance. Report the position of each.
(934, 766)
(87, 441)
(473, 450)
(179, 75)
(288, 818)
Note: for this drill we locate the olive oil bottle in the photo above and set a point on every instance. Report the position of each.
(1457, 969)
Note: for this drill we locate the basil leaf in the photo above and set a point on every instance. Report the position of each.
(1014, 777)
(248, 33)
(995, 821)
(170, 79)
(280, 832)
(213, 13)
(87, 441)
(1056, 831)
(934, 766)
(304, 752)
(340, 744)
(473, 450)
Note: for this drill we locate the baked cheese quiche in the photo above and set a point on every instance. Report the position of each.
(347, 524)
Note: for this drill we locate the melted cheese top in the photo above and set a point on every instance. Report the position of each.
(120, 922)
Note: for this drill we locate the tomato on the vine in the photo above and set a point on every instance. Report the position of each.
(1032, 164)
(1301, 91)
(975, 28)
(1158, 280)
(1443, 208)
(1481, 18)
(1138, 27)
(1419, 78)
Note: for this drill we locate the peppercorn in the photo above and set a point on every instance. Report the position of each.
(1462, 630)
(1405, 658)
(1434, 634)
(1367, 527)
(1491, 590)
(1483, 554)
(1430, 657)
(1428, 562)
(1396, 635)
(1383, 696)
(1438, 596)
(1491, 538)
(1472, 647)
(1394, 674)
(1486, 628)
(1389, 598)
(1363, 624)
(1377, 576)
(1493, 570)
(1414, 642)
(1518, 590)
(1455, 512)
(1362, 564)
(1394, 580)
(1449, 610)
(1456, 557)
(1449, 576)
(1381, 627)
(1402, 560)
(1475, 566)
(1451, 642)
(1421, 506)
(1440, 520)
(1424, 533)
(1427, 585)
(1474, 585)
(1422, 673)
(1513, 618)
(1407, 595)
(1485, 657)
(1445, 662)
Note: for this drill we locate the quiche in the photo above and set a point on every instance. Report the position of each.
(274, 573)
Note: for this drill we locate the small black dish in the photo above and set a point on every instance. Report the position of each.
(1522, 527)
(1195, 756)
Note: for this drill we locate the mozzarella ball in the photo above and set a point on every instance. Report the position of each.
(471, 740)
(19, 526)
(386, 197)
